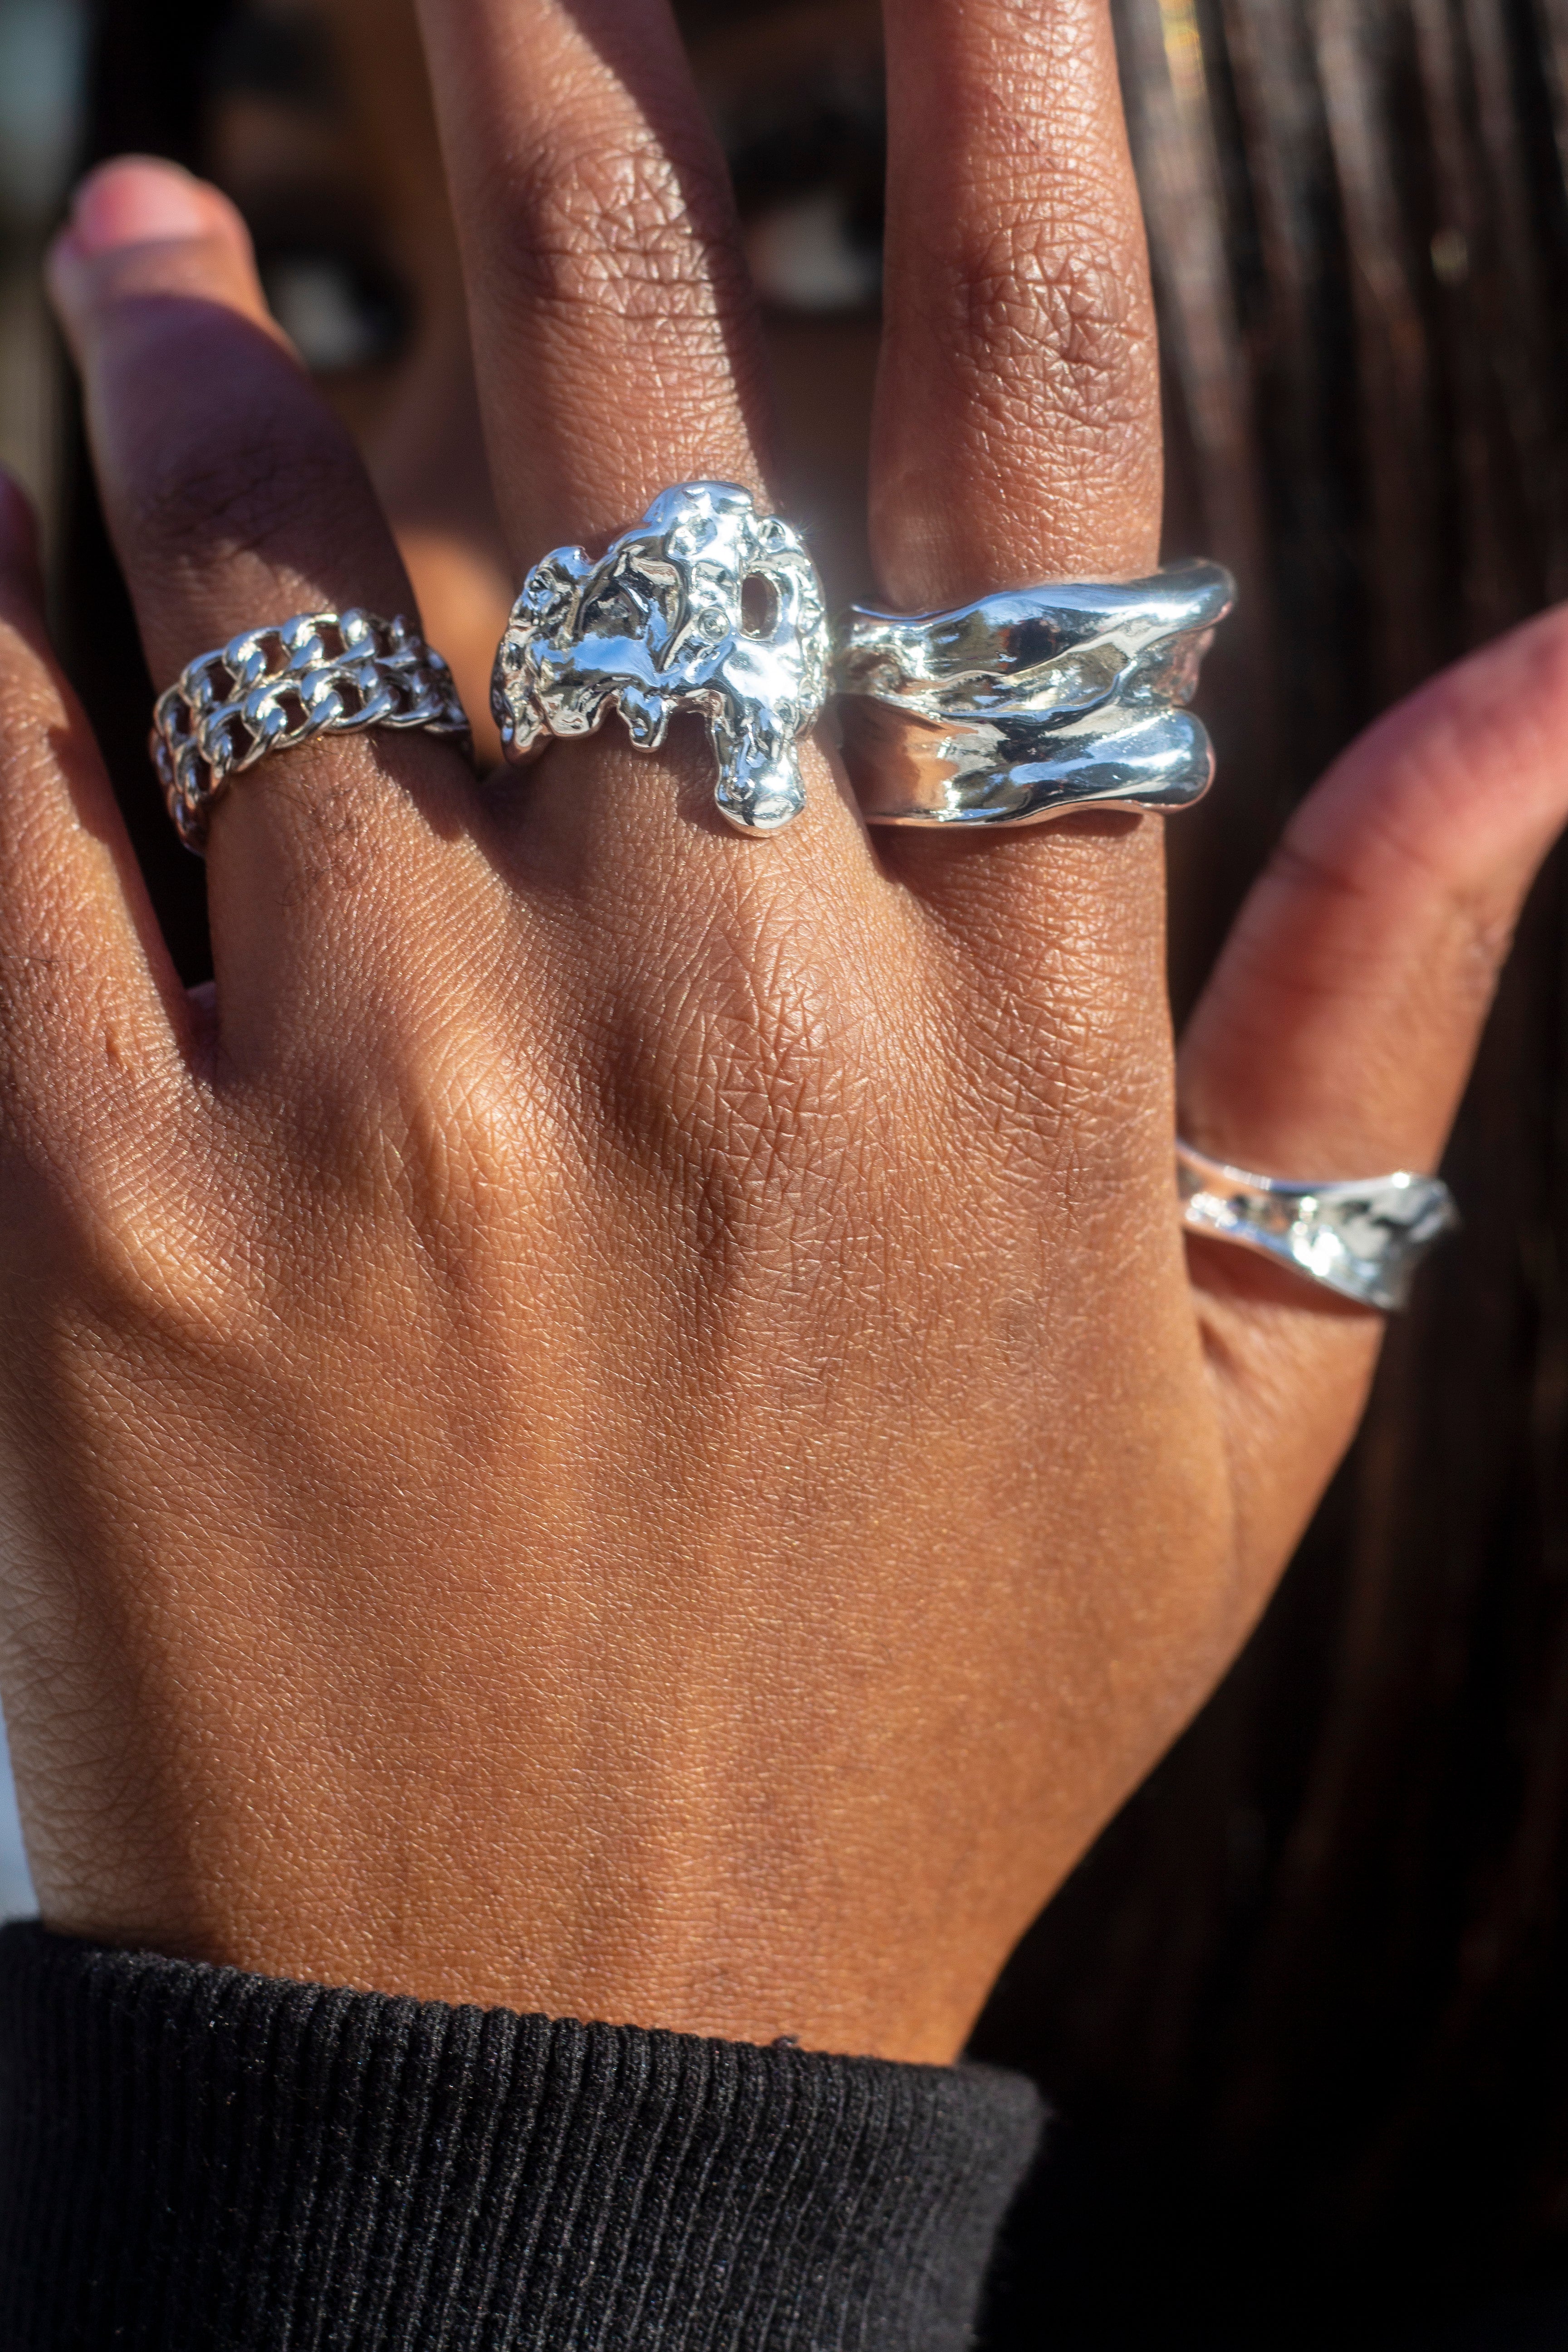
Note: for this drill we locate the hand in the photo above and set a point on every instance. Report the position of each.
(622, 1424)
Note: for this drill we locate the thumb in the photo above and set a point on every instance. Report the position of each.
(1337, 1033)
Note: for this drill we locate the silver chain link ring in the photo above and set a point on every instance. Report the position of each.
(271, 689)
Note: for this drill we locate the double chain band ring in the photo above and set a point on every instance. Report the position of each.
(1363, 1239)
(271, 689)
(1031, 702)
(705, 606)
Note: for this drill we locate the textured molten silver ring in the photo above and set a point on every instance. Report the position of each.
(705, 606)
(1363, 1239)
(1030, 703)
(271, 689)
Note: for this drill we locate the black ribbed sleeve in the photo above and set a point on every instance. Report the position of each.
(192, 2158)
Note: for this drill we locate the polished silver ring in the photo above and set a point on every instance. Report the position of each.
(705, 606)
(271, 689)
(1032, 702)
(1363, 1239)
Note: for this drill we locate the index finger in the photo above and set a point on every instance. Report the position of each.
(1016, 440)
(1018, 427)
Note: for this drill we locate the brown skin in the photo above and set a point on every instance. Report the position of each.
(623, 1427)
(418, 425)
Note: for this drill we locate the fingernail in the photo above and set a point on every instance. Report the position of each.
(137, 200)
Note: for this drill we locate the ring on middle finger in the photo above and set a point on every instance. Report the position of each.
(705, 606)
(1029, 703)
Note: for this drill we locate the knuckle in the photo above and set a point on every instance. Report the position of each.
(629, 228)
(713, 1073)
(1480, 932)
(1061, 324)
(1458, 932)
(143, 1283)
(213, 491)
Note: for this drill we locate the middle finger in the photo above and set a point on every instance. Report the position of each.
(618, 354)
(611, 309)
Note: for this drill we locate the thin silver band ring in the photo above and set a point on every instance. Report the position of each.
(1363, 1239)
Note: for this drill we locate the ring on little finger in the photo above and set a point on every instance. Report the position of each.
(1031, 702)
(1363, 1239)
(271, 689)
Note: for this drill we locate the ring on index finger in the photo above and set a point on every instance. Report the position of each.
(1031, 702)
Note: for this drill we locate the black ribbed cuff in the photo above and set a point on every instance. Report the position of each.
(192, 2158)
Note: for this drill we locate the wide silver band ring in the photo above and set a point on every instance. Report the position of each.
(271, 689)
(1363, 1239)
(706, 605)
(1030, 703)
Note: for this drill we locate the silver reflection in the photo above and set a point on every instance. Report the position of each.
(1363, 1239)
(706, 605)
(1031, 702)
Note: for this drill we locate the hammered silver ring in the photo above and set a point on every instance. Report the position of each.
(1363, 1239)
(271, 689)
(706, 605)
(1032, 702)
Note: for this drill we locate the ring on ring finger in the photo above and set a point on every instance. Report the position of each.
(273, 687)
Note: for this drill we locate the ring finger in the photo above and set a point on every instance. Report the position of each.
(235, 499)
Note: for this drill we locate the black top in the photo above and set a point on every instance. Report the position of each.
(193, 2158)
